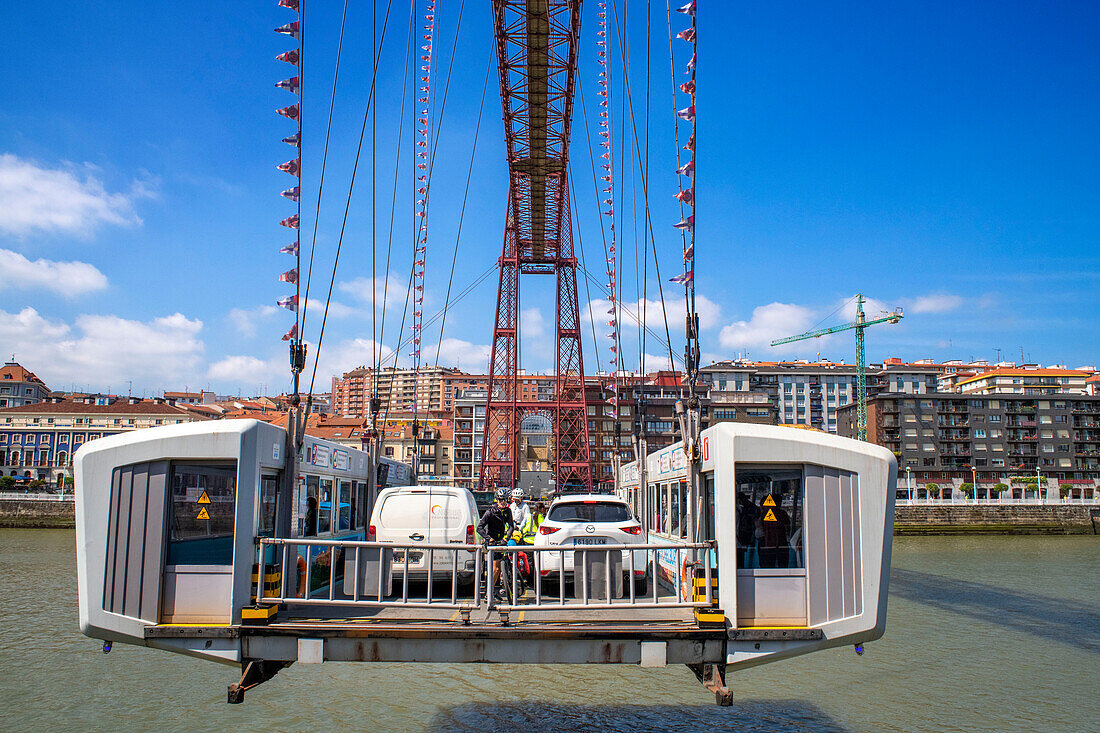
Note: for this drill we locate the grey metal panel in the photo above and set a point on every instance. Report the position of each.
(136, 547)
(154, 542)
(845, 577)
(112, 541)
(833, 554)
(122, 539)
(814, 544)
(857, 550)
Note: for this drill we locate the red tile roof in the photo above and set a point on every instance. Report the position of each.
(12, 372)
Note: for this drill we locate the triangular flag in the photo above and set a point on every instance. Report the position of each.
(292, 193)
(290, 276)
(295, 139)
(291, 167)
(290, 222)
(292, 4)
(688, 223)
(687, 196)
(684, 279)
(290, 303)
(290, 57)
(290, 112)
(290, 29)
(290, 249)
(292, 84)
(292, 334)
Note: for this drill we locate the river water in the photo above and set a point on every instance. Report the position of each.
(983, 633)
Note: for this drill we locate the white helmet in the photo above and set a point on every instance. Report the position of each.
(517, 493)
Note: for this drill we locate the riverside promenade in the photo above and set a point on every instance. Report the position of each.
(938, 517)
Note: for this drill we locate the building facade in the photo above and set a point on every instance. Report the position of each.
(38, 440)
(948, 439)
(20, 387)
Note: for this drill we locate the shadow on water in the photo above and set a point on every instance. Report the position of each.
(536, 715)
(1056, 619)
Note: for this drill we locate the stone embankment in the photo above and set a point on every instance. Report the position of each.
(1038, 519)
(37, 513)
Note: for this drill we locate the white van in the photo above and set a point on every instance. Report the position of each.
(426, 514)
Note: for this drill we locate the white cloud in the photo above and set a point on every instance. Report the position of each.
(40, 199)
(535, 339)
(65, 278)
(377, 290)
(247, 320)
(941, 303)
(468, 356)
(100, 351)
(768, 322)
(336, 309)
(243, 369)
(632, 312)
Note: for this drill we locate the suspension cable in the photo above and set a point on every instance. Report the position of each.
(344, 223)
(324, 164)
(465, 195)
(645, 194)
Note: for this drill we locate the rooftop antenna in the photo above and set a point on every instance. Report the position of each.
(998, 350)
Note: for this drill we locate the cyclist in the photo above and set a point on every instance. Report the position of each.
(524, 534)
(495, 528)
(521, 512)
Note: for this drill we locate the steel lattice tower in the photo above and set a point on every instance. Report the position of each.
(537, 61)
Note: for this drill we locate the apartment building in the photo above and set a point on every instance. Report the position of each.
(38, 440)
(951, 438)
(20, 387)
(401, 390)
(1002, 380)
(468, 432)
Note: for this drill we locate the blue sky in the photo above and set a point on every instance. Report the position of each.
(940, 157)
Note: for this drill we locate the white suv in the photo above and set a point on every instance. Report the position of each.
(590, 519)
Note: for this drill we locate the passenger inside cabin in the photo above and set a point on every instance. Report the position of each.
(311, 516)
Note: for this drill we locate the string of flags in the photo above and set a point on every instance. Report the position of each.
(609, 198)
(686, 190)
(292, 167)
(421, 208)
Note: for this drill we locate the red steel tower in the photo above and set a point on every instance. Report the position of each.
(537, 60)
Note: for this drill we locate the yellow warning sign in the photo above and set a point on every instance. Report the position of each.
(767, 502)
(203, 514)
(204, 499)
(769, 517)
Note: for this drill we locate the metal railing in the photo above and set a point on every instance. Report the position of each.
(25, 496)
(297, 562)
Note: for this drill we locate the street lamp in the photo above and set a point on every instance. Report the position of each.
(974, 474)
(909, 482)
(1038, 485)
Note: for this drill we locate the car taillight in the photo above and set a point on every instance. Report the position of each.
(469, 534)
(637, 529)
(371, 532)
(548, 530)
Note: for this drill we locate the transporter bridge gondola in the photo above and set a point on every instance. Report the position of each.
(179, 549)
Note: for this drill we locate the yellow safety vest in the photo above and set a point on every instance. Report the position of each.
(530, 528)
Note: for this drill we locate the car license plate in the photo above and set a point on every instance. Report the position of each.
(589, 540)
(414, 556)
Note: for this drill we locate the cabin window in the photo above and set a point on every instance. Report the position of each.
(268, 491)
(359, 505)
(769, 518)
(307, 524)
(324, 515)
(345, 508)
(202, 510)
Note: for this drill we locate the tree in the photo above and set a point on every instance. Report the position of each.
(7, 483)
(967, 489)
(932, 488)
(1000, 488)
(1064, 490)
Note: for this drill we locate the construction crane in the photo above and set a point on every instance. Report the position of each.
(859, 324)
